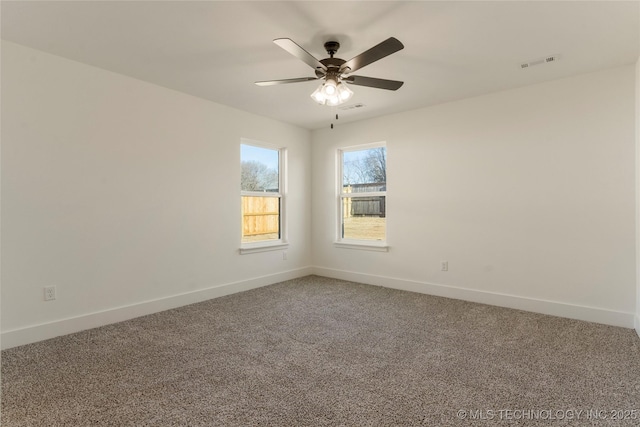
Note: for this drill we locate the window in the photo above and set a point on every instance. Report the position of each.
(362, 196)
(262, 196)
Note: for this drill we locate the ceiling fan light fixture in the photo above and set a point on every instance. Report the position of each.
(332, 94)
(330, 87)
(344, 92)
(334, 100)
(318, 96)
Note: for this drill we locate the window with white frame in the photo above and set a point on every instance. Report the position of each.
(362, 195)
(262, 194)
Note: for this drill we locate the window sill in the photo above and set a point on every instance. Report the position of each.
(368, 246)
(263, 247)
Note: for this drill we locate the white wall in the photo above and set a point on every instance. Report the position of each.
(528, 193)
(125, 196)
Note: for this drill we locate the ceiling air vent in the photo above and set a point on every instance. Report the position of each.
(352, 106)
(545, 60)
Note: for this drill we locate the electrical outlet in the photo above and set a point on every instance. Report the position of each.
(444, 265)
(284, 255)
(49, 293)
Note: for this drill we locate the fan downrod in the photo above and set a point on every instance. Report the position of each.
(331, 47)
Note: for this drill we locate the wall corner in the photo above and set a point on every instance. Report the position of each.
(637, 118)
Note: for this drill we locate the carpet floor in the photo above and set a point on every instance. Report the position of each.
(322, 352)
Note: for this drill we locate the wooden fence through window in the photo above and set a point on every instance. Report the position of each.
(370, 206)
(260, 216)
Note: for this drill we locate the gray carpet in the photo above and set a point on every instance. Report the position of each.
(324, 352)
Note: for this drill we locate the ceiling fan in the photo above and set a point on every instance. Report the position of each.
(336, 72)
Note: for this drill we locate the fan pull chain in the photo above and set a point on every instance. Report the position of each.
(336, 119)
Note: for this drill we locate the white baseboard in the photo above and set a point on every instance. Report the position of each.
(35, 333)
(590, 314)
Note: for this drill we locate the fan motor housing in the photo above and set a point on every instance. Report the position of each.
(332, 64)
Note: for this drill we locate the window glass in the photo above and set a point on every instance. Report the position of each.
(363, 194)
(260, 169)
(260, 193)
(364, 218)
(365, 166)
(260, 218)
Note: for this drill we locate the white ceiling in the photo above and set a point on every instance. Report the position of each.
(216, 50)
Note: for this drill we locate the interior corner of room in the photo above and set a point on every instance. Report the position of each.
(122, 194)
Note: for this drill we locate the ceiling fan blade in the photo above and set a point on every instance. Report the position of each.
(294, 49)
(379, 51)
(373, 82)
(285, 81)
